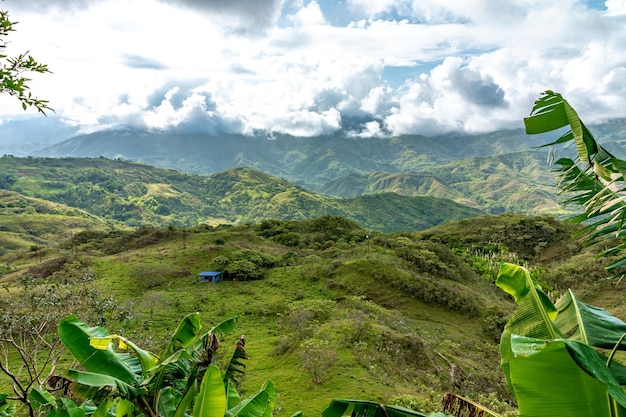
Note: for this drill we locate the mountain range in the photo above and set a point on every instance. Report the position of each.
(386, 184)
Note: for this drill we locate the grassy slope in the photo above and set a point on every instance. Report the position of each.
(410, 313)
(140, 195)
(519, 182)
(31, 222)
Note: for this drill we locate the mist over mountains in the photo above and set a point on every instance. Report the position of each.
(502, 171)
(311, 162)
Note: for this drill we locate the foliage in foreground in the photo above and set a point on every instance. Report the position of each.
(132, 382)
(549, 355)
(594, 179)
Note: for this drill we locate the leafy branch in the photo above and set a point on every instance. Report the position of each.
(13, 70)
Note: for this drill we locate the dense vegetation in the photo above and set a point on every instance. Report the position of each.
(396, 318)
(141, 195)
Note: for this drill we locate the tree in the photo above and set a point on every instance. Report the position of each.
(317, 358)
(594, 179)
(13, 70)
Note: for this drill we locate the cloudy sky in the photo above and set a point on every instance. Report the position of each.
(306, 68)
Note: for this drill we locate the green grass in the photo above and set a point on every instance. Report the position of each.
(411, 314)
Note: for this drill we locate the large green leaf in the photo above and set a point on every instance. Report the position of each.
(551, 112)
(533, 316)
(590, 325)
(548, 114)
(225, 327)
(188, 397)
(211, 399)
(186, 333)
(255, 406)
(235, 366)
(594, 181)
(147, 359)
(7, 409)
(76, 336)
(96, 380)
(358, 408)
(562, 378)
(232, 395)
(535, 312)
(40, 397)
(271, 400)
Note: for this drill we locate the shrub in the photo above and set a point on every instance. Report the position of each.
(244, 270)
(317, 357)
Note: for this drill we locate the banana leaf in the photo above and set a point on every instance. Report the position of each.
(548, 114)
(105, 407)
(40, 398)
(255, 406)
(6, 409)
(562, 378)
(358, 408)
(551, 112)
(76, 335)
(188, 396)
(186, 333)
(99, 381)
(232, 396)
(147, 359)
(533, 316)
(235, 365)
(211, 399)
(590, 325)
(595, 179)
(225, 327)
(271, 393)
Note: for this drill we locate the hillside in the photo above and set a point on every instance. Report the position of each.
(32, 223)
(141, 195)
(512, 182)
(401, 318)
(310, 162)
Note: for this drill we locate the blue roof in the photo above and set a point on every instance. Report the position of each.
(209, 273)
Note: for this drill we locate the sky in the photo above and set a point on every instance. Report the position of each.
(363, 68)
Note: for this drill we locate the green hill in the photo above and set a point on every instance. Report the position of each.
(402, 318)
(514, 182)
(31, 222)
(141, 195)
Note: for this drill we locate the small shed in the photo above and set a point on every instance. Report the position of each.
(210, 276)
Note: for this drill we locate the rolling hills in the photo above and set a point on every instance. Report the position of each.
(141, 195)
(407, 316)
(388, 271)
(310, 162)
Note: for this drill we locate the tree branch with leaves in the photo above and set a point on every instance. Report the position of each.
(13, 70)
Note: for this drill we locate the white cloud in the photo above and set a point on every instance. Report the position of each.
(228, 65)
(311, 14)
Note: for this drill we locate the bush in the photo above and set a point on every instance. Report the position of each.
(244, 270)
(301, 316)
(317, 357)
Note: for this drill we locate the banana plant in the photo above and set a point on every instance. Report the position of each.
(184, 381)
(550, 353)
(7, 409)
(361, 408)
(594, 179)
